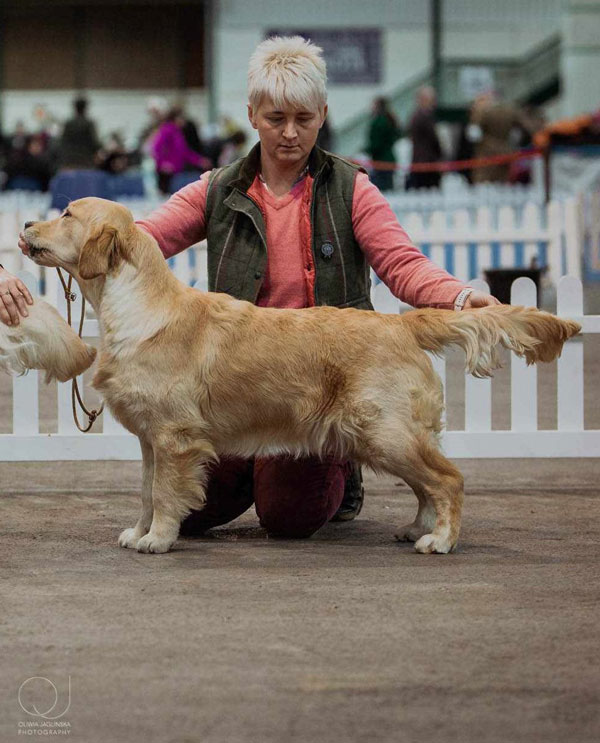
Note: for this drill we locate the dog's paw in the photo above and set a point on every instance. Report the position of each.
(432, 543)
(130, 537)
(152, 543)
(410, 532)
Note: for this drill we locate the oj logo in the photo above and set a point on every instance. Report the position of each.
(38, 691)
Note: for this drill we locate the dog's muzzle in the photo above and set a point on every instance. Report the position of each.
(34, 249)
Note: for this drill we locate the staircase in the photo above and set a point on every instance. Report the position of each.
(533, 78)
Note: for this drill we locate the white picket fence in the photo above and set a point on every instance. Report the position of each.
(572, 173)
(570, 439)
(589, 228)
(465, 243)
(111, 442)
(455, 193)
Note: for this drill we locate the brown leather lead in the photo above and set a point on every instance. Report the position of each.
(75, 394)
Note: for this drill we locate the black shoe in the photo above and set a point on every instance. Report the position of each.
(354, 496)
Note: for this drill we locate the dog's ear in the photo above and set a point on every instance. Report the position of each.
(100, 252)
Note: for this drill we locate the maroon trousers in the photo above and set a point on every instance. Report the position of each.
(293, 497)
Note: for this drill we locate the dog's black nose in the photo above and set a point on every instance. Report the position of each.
(28, 224)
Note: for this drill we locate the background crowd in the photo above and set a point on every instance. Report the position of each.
(493, 127)
(177, 145)
(171, 139)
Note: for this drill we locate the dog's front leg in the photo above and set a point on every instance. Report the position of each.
(131, 537)
(177, 488)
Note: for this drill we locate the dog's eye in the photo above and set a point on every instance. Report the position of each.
(66, 214)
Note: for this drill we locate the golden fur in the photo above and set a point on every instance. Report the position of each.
(43, 340)
(198, 375)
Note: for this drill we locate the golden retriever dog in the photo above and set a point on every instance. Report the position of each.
(197, 375)
(43, 340)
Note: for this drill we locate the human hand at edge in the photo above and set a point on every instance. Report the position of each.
(477, 299)
(14, 298)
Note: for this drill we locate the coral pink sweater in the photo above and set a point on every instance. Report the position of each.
(289, 278)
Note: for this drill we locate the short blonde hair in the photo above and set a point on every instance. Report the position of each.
(288, 69)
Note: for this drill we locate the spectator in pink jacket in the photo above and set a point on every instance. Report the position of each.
(171, 152)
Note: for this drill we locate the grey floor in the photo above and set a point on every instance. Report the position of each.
(348, 636)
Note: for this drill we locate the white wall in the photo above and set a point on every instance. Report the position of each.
(335, 13)
(507, 28)
(581, 57)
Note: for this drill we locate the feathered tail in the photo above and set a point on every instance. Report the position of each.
(529, 332)
(43, 340)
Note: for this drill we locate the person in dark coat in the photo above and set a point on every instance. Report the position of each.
(384, 131)
(79, 141)
(426, 146)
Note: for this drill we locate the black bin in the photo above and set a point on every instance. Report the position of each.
(500, 280)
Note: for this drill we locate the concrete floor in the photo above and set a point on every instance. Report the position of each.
(348, 636)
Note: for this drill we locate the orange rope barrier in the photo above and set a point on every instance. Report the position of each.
(450, 165)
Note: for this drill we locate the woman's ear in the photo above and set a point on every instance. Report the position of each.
(252, 116)
(99, 253)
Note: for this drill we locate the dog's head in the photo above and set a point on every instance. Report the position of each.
(90, 238)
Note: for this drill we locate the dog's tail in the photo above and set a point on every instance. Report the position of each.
(529, 332)
(43, 340)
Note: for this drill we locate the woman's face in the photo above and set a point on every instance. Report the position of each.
(287, 134)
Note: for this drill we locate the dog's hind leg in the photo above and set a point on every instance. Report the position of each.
(424, 520)
(443, 485)
(438, 486)
(130, 537)
(404, 442)
(177, 488)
